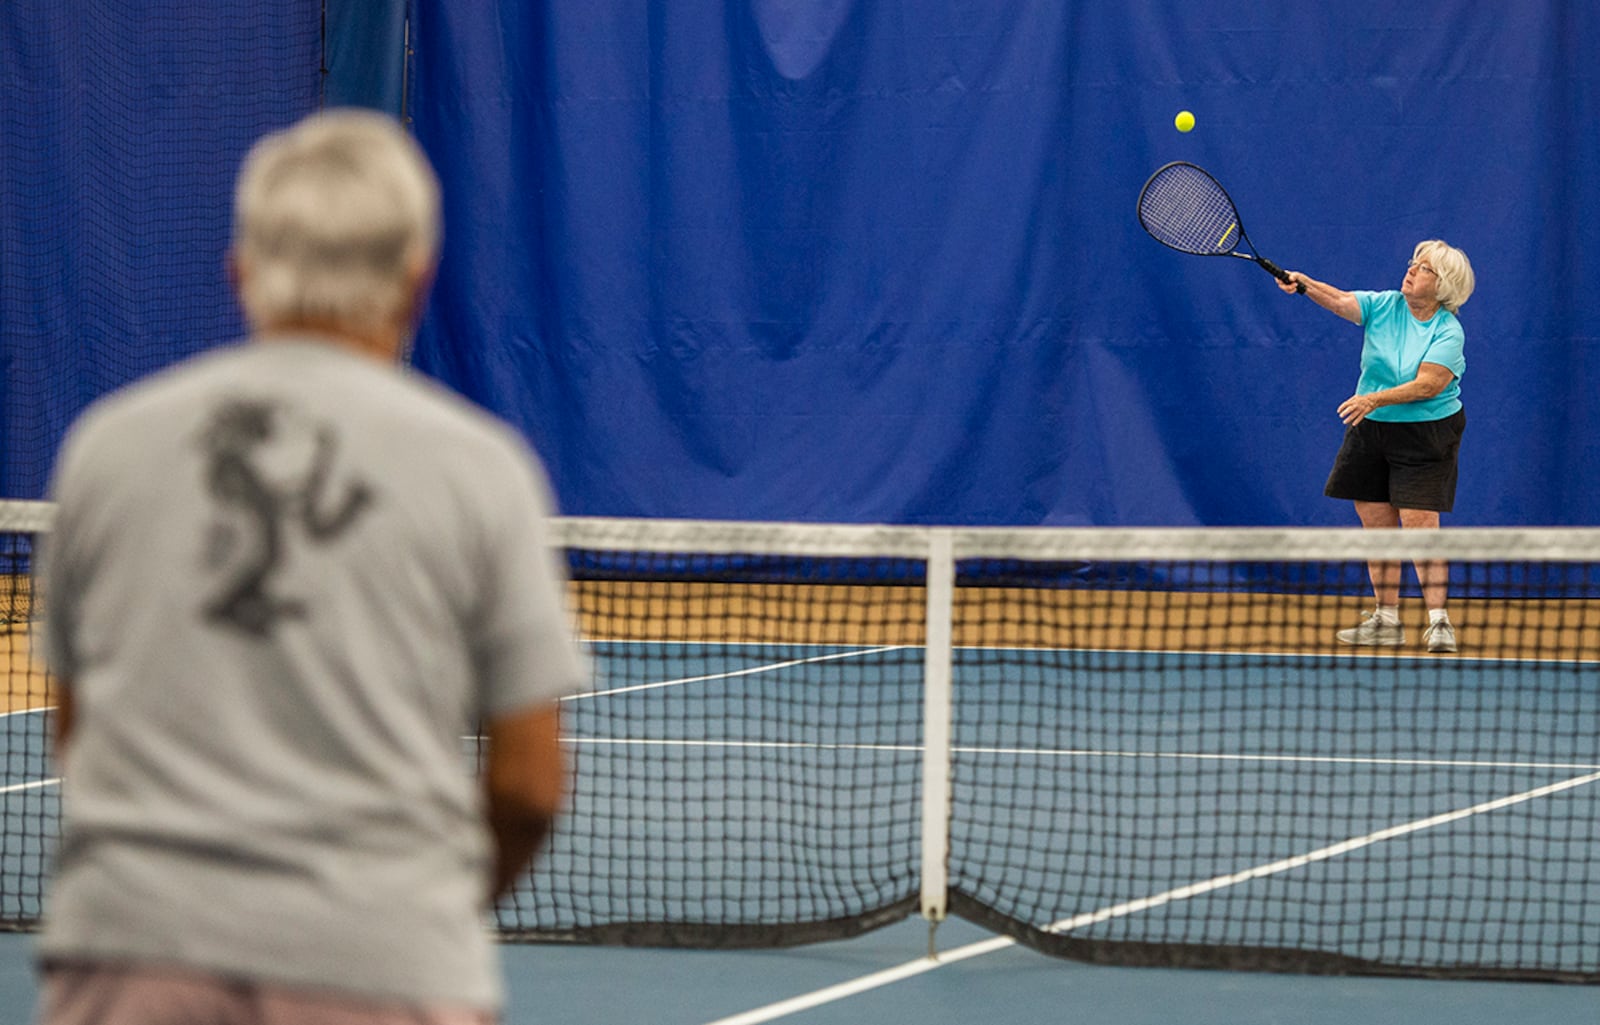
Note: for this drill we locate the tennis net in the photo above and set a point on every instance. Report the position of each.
(1130, 746)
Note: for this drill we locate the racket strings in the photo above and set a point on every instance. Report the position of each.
(1183, 207)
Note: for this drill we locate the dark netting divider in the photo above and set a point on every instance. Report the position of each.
(30, 800)
(747, 766)
(1158, 753)
(123, 129)
(1196, 773)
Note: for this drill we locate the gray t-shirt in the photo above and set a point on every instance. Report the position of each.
(285, 582)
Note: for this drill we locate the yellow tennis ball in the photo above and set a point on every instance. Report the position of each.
(1184, 121)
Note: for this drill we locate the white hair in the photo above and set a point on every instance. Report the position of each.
(1454, 270)
(332, 219)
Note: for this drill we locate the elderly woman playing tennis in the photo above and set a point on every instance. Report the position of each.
(1404, 423)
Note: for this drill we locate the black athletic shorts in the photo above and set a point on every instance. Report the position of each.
(1408, 465)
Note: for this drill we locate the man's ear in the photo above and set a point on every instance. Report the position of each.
(232, 270)
(420, 276)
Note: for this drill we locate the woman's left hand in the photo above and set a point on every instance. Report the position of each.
(1355, 409)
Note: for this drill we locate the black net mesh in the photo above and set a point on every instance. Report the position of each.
(748, 761)
(1161, 751)
(30, 797)
(1198, 772)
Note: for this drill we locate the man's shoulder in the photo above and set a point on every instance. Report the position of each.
(121, 410)
(410, 410)
(457, 422)
(362, 387)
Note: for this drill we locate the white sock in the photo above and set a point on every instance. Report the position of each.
(1387, 614)
(1438, 616)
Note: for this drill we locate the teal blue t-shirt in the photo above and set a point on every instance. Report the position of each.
(1397, 343)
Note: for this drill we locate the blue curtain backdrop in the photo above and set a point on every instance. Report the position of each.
(877, 260)
(121, 131)
(869, 260)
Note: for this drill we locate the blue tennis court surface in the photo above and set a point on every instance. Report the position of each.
(1436, 810)
(30, 813)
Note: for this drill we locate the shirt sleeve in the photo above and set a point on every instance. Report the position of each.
(524, 641)
(1366, 300)
(1448, 350)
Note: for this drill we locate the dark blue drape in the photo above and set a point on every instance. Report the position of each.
(858, 259)
(121, 131)
(877, 259)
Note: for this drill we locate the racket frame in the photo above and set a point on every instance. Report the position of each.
(1225, 245)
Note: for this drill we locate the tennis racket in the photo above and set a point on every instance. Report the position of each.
(1183, 207)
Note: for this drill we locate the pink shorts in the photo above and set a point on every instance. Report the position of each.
(112, 994)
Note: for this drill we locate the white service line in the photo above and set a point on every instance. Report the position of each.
(751, 671)
(735, 745)
(27, 711)
(1311, 857)
(1202, 756)
(1033, 752)
(31, 785)
(806, 1001)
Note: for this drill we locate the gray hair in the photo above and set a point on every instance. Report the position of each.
(1456, 280)
(332, 217)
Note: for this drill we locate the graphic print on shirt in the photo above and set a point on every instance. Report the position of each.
(270, 473)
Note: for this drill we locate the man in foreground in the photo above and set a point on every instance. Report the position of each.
(285, 579)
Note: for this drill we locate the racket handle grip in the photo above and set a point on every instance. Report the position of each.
(1281, 274)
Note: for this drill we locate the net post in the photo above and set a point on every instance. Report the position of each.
(941, 575)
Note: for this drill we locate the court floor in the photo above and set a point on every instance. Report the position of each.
(678, 707)
(579, 985)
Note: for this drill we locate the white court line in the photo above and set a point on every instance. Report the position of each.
(667, 642)
(1345, 654)
(27, 711)
(776, 745)
(33, 785)
(750, 671)
(806, 1001)
(1342, 654)
(791, 745)
(1200, 756)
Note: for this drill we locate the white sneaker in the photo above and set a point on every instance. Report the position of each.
(1441, 636)
(1374, 632)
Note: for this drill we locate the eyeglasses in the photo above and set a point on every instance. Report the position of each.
(1422, 266)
